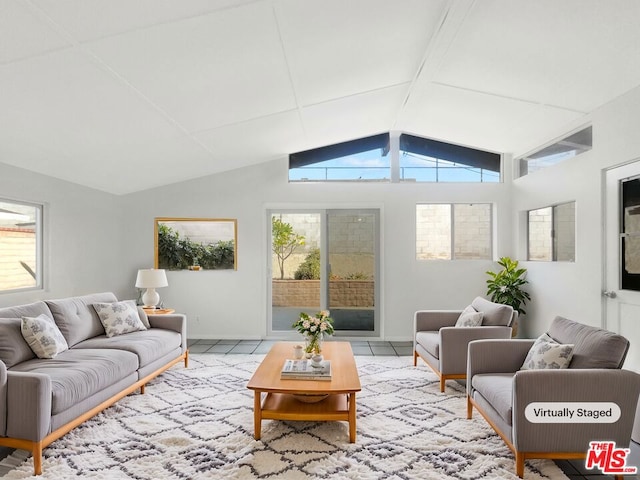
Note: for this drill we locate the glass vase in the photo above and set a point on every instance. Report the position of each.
(313, 344)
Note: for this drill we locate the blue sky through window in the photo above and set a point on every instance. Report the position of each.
(370, 165)
(415, 167)
(414, 164)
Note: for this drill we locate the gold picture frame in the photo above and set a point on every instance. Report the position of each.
(196, 243)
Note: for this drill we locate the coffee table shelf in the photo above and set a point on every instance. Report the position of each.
(283, 406)
(274, 398)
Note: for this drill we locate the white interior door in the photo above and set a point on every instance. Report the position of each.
(622, 259)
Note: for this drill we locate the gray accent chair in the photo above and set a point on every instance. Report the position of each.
(443, 347)
(500, 391)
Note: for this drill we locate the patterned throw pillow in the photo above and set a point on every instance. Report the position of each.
(119, 317)
(43, 336)
(547, 353)
(469, 318)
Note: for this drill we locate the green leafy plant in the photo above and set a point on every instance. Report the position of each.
(284, 241)
(506, 286)
(357, 276)
(178, 253)
(310, 268)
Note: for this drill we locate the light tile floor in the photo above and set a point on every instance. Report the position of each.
(360, 347)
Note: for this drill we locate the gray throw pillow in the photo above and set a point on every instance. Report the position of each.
(13, 347)
(469, 318)
(119, 318)
(494, 314)
(43, 336)
(547, 353)
(143, 317)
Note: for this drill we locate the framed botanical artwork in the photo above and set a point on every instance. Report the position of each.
(196, 243)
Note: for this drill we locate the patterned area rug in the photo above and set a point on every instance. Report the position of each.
(197, 423)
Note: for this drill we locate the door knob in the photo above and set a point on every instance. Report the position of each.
(609, 294)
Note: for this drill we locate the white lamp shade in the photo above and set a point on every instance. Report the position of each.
(151, 278)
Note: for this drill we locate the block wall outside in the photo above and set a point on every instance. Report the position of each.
(565, 227)
(16, 245)
(351, 293)
(295, 293)
(540, 242)
(433, 232)
(342, 293)
(472, 227)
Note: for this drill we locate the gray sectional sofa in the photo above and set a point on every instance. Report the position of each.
(41, 399)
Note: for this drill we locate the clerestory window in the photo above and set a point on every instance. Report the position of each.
(426, 160)
(417, 159)
(559, 151)
(365, 159)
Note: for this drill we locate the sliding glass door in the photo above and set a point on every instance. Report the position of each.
(352, 245)
(325, 259)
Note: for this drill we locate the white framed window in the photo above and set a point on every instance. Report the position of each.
(457, 231)
(552, 233)
(20, 245)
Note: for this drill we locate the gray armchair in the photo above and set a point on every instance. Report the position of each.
(501, 391)
(443, 347)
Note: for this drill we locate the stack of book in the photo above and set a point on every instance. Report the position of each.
(306, 370)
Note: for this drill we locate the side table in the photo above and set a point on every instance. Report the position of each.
(158, 311)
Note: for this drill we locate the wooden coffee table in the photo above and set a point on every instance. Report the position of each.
(279, 402)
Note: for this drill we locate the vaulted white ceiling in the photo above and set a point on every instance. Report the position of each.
(125, 95)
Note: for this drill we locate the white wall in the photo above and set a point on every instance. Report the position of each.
(228, 304)
(573, 290)
(82, 233)
(570, 289)
(97, 241)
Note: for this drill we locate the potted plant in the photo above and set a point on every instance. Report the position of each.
(506, 286)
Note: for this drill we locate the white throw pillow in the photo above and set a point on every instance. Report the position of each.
(547, 353)
(119, 318)
(469, 318)
(43, 336)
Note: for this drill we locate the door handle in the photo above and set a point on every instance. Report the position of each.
(609, 294)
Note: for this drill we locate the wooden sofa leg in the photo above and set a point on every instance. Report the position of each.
(520, 464)
(186, 359)
(442, 380)
(142, 389)
(469, 408)
(36, 453)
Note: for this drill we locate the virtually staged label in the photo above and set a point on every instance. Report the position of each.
(572, 412)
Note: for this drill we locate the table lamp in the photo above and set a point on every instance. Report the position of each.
(151, 279)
